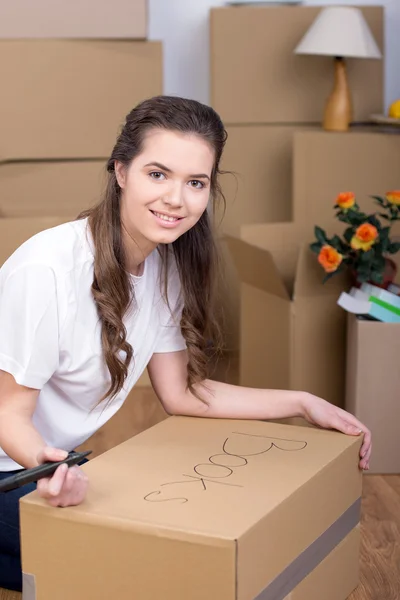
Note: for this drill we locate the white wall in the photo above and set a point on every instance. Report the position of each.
(182, 25)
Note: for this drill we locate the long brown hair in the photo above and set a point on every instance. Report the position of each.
(195, 252)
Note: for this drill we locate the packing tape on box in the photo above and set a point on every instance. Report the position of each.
(28, 587)
(312, 556)
(293, 574)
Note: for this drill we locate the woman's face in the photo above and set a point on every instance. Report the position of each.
(166, 188)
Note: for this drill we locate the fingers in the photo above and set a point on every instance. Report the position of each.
(51, 454)
(67, 487)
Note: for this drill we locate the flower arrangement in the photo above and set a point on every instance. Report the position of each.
(366, 243)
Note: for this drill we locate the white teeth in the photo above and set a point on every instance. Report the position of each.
(165, 217)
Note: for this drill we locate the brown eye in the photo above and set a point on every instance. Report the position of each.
(198, 185)
(157, 175)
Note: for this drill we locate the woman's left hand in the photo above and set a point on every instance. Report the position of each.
(324, 414)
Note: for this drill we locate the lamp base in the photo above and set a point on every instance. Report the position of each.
(338, 110)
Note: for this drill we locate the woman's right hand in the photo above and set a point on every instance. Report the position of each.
(67, 486)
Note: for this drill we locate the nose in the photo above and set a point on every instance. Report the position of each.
(175, 196)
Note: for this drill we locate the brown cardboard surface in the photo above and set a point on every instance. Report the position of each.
(73, 19)
(62, 188)
(15, 231)
(372, 387)
(291, 340)
(327, 163)
(257, 78)
(193, 509)
(260, 189)
(69, 98)
(322, 582)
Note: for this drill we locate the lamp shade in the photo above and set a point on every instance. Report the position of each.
(340, 31)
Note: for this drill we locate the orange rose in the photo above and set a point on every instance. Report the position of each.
(346, 200)
(393, 197)
(364, 237)
(329, 258)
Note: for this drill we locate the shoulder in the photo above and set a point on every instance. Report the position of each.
(59, 248)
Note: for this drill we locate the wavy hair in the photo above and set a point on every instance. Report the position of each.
(196, 252)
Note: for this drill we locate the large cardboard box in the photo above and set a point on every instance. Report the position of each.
(45, 188)
(259, 190)
(372, 387)
(69, 98)
(257, 78)
(364, 161)
(73, 19)
(204, 508)
(292, 332)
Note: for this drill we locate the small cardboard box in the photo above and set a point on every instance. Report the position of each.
(69, 98)
(73, 19)
(198, 508)
(257, 78)
(45, 188)
(373, 385)
(292, 332)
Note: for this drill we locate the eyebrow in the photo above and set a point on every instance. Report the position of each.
(167, 170)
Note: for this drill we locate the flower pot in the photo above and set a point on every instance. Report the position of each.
(389, 275)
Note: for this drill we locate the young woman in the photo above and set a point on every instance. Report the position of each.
(86, 306)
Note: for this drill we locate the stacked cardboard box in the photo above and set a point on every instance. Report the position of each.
(70, 73)
(268, 97)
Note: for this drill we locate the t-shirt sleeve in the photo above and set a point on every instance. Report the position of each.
(170, 338)
(29, 325)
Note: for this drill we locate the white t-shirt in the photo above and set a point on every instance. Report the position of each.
(50, 331)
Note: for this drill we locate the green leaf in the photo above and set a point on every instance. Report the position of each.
(348, 234)
(393, 247)
(379, 200)
(336, 242)
(384, 216)
(376, 276)
(315, 247)
(329, 276)
(374, 221)
(320, 235)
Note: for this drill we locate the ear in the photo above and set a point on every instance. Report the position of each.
(120, 173)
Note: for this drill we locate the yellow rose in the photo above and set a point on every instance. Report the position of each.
(393, 197)
(346, 200)
(329, 258)
(364, 238)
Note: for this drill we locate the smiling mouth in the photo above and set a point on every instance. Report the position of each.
(168, 218)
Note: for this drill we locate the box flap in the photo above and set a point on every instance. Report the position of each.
(310, 275)
(282, 240)
(256, 267)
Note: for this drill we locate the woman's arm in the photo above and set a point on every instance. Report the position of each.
(22, 442)
(168, 376)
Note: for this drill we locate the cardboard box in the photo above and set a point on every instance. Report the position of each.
(203, 508)
(257, 78)
(260, 189)
(292, 333)
(73, 19)
(372, 387)
(45, 188)
(69, 98)
(365, 162)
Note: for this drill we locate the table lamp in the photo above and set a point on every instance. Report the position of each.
(341, 32)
